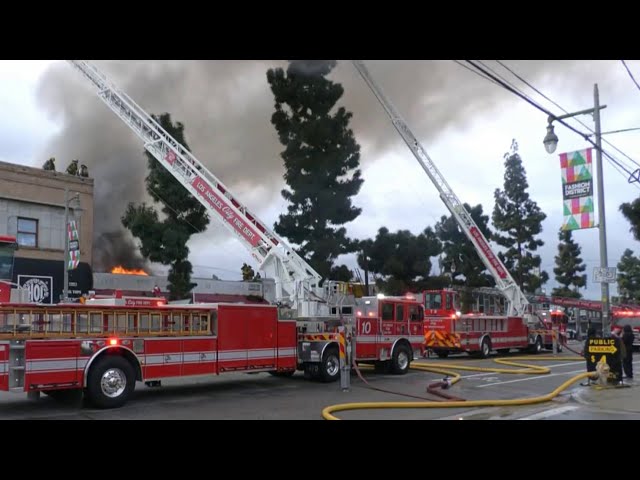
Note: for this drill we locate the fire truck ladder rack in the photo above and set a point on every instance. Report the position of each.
(518, 303)
(297, 283)
(25, 323)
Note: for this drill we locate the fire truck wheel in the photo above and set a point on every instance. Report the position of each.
(537, 347)
(485, 348)
(330, 367)
(401, 360)
(442, 353)
(111, 382)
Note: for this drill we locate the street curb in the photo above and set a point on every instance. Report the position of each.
(577, 395)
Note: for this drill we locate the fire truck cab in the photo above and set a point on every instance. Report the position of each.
(389, 332)
(484, 328)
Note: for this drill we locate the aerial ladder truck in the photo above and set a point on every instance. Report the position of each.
(521, 327)
(318, 310)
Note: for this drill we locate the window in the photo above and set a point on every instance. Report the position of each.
(416, 314)
(433, 301)
(387, 311)
(27, 232)
(399, 313)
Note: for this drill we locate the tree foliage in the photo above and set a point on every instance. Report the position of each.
(629, 277)
(401, 260)
(631, 211)
(321, 160)
(518, 220)
(569, 267)
(164, 240)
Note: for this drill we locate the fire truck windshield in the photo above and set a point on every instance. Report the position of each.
(433, 301)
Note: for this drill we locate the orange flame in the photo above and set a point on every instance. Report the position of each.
(125, 271)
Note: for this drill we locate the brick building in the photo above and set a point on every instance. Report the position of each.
(32, 209)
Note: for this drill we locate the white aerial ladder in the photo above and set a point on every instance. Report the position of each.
(297, 284)
(518, 303)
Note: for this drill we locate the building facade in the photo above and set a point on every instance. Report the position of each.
(32, 209)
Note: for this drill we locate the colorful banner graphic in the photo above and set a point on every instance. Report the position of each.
(577, 189)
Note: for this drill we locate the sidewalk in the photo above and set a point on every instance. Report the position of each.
(624, 399)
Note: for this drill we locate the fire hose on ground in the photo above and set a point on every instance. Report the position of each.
(454, 402)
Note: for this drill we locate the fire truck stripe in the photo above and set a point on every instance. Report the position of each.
(388, 338)
(55, 365)
(270, 352)
(286, 352)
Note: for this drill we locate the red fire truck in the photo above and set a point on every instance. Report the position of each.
(485, 327)
(520, 326)
(104, 346)
(621, 314)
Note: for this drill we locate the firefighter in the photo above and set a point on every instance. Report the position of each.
(627, 360)
(156, 291)
(72, 169)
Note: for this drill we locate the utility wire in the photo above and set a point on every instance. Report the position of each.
(542, 109)
(476, 72)
(630, 74)
(621, 170)
(565, 111)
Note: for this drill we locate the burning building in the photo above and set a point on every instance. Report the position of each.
(138, 283)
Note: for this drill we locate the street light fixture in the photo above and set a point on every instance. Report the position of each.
(550, 143)
(551, 139)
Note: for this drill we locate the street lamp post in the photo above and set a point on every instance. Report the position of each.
(67, 201)
(550, 144)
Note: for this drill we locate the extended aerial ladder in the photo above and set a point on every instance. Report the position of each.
(297, 283)
(518, 303)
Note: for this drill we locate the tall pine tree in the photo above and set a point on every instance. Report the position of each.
(165, 240)
(631, 211)
(569, 267)
(321, 160)
(461, 259)
(519, 219)
(629, 277)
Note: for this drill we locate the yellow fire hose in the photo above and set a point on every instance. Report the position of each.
(447, 369)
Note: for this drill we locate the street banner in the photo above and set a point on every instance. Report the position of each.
(73, 260)
(577, 189)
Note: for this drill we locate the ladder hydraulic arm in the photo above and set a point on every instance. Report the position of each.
(297, 284)
(504, 281)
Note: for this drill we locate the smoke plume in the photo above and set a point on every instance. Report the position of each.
(226, 107)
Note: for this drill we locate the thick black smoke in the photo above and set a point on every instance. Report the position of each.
(226, 107)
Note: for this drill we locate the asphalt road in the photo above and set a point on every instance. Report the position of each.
(263, 397)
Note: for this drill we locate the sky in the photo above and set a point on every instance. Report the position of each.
(465, 123)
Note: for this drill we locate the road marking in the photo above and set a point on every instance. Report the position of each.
(469, 413)
(493, 373)
(538, 377)
(549, 413)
